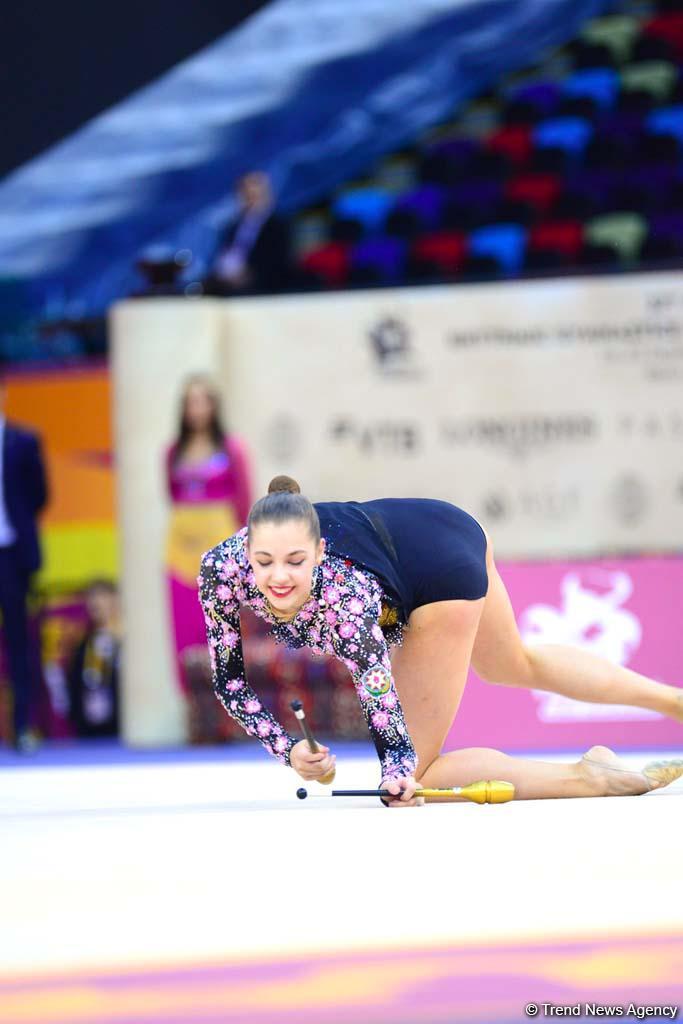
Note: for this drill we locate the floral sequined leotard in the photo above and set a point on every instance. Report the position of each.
(341, 618)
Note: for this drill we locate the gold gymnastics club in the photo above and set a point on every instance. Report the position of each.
(298, 709)
(488, 791)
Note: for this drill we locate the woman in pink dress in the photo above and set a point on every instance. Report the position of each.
(208, 483)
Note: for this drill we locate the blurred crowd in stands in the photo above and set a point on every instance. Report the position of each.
(577, 167)
(574, 164)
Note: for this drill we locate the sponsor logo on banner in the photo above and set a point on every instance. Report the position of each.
(386, 437)
(497, 507)
(651, 426)
(629, 500)
(392, 348)
(504, 399)
(282, 438)
(519, 436)
(540, 504)
(589, 616)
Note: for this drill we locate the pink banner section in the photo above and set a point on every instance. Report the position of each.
(629, 611)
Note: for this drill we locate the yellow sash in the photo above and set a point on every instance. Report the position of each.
(192, 530)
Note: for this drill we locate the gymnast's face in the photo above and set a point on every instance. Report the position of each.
(282, 556)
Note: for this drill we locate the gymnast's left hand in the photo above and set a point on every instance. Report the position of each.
(402, 789)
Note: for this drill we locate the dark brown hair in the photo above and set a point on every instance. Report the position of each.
(216, 428)
(283, 502)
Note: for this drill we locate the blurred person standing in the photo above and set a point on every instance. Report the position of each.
(23, 493)
(93, 674)
(208, 482)
(254, 251)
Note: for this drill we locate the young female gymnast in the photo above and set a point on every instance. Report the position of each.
(353, 579)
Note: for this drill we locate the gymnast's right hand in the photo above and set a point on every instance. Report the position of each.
(311, 766)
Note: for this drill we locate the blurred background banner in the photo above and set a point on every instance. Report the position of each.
(549, 410)
(71, 409)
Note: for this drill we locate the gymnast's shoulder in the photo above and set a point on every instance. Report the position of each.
(229, 557)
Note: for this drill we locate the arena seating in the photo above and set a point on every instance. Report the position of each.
(575, 164)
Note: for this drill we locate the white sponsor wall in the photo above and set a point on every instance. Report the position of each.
(549, 410)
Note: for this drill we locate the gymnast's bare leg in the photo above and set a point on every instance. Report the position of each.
(499, 656)
(430, 670)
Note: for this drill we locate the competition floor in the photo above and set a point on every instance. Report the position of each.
(196, 887)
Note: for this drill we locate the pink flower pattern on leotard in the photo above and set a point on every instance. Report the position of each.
(340, 618)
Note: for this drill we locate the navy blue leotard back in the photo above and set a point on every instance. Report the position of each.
(421, 550)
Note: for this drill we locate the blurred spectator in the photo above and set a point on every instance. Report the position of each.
(93, 674)
(254, 251)
(208, 482)
(23, 493)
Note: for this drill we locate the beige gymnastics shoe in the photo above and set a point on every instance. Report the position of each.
(661, 773)
(609, 777)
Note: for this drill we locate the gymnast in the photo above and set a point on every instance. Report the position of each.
(405, 592)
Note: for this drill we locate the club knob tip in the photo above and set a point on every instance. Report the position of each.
(302, 793)
(296, 705)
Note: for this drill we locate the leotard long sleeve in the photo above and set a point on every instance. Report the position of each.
(340, 618)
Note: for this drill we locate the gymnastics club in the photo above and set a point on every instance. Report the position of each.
(488, 791)
(298, 709)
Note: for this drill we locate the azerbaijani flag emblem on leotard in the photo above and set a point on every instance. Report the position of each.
(376, 681)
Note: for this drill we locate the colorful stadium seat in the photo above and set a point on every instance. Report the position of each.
(426, 203)
(668, 27)
(514, 140)
(503, 243)
(568, 133)
(658, 179)
(657, 77)
(543, 96)
(617, 32)
(539, 189)
(600, 84)
(577, 165)
(385, 257)
(666, 121)
(369, 206)
(669, 224)
(625, 232)
(472, 202)
(564, 237)
(330, 262)
(444, 250)
(397, 174)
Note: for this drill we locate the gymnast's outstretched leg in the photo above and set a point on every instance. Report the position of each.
(499, 656)
(430, 671)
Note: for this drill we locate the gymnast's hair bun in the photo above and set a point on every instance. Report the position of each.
(283, 485)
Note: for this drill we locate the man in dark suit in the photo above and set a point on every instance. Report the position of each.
(253, 255)
(23, 494)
